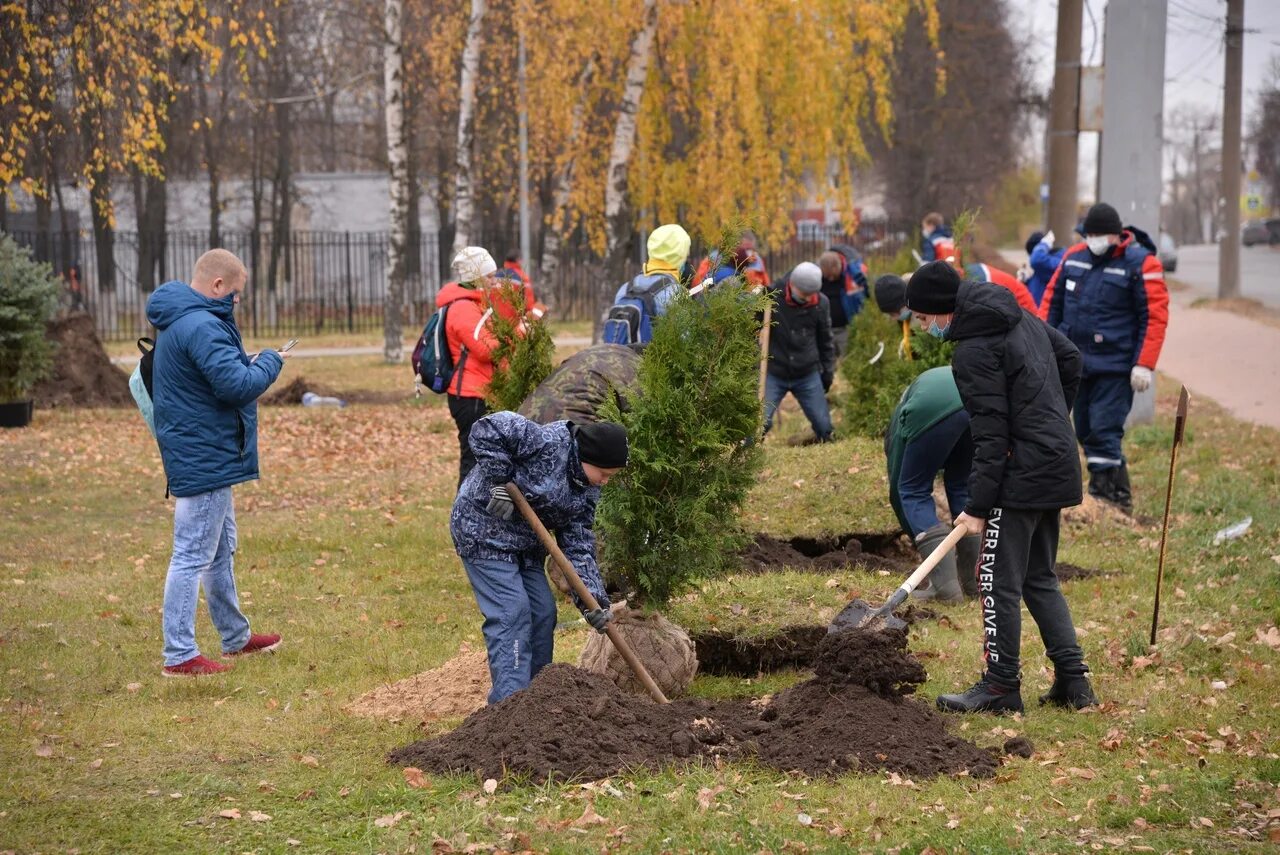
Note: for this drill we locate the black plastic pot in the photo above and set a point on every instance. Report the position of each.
(15, 414)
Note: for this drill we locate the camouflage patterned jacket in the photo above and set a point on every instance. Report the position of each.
(543, 462)
(582, 383)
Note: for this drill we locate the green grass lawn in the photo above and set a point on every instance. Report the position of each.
(344, 548)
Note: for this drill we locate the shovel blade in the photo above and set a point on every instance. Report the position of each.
(861, 615)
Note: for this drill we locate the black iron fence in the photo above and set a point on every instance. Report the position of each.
(308, 283)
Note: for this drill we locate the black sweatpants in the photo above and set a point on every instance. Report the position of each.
(466, 412)
(1019, 550)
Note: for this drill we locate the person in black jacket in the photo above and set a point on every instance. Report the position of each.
(1017, 378)
(802, 357)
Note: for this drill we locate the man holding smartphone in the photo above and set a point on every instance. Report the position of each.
(205, 390)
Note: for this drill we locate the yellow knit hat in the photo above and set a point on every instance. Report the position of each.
(669, 244)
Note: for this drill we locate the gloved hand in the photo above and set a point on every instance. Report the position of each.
(598, 618)
(828, 378)
(1140, 378)
(1024, 274)
(1048, 238)
(500, 504)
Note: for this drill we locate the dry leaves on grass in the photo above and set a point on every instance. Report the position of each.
(414, 778)
(390, 820)
(707, 796)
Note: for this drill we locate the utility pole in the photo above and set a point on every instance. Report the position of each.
(1229, 248)
(523, 80)
(1064, 153)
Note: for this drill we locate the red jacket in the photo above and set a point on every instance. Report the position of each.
(987, 273)
(467, 328)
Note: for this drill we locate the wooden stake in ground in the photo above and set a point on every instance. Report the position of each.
(764, 347)
(575, 582)
(1179, 426)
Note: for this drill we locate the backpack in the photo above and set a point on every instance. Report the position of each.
(432, 361)
(140, 382)
(630, 320)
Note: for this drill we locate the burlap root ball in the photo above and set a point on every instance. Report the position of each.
(664, 648)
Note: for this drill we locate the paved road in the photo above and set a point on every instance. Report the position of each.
(1259, 271)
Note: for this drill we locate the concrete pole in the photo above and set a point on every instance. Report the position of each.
(1229, 248)
(525, 239)
(1064, 153)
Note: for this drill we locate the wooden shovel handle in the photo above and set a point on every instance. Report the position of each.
(584, 594)
(764, 346)
(939, 552)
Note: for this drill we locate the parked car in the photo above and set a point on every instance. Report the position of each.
(1261, 231)
(1168, 252)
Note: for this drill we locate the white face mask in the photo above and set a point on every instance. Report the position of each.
(1098, 244)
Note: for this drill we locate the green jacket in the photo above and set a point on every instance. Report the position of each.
(930, 399)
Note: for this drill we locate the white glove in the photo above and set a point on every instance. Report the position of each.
(1048, 238)
(1140, 378)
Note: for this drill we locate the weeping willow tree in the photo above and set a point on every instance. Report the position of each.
(672, 514)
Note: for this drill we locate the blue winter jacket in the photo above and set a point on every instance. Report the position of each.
(941, 238)
(1044, 261)
(205, 391)
(543, 462)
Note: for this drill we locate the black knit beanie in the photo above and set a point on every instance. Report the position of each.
(1034, 241)
(932, 289)
(891, 293)
(602, 444)
(1102, 219)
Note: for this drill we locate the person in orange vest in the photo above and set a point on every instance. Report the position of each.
(937, 241)
(742, 260)
(996, 276)
(501, 300)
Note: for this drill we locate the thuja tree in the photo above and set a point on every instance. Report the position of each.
(877, 370)
(672, 515)
(524, 352)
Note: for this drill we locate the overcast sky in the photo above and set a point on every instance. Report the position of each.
(1193, 54)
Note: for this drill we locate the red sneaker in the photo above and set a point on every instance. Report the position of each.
(197, 666)
(259, 644)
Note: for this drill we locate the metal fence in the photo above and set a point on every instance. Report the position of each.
(308, 283)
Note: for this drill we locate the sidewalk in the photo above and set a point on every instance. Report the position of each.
(1226, 357)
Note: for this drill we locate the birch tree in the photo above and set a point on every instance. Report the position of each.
(559, 219)
(624, 134)
(463, 198)
(398, 174)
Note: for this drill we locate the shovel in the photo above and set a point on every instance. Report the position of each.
(575, 582)
(861, 615)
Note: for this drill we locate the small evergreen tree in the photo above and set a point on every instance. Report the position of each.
(28, 301)
(876, 387)
(672, 514)
(525, 350)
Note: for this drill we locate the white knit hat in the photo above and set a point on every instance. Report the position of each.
(473, 263)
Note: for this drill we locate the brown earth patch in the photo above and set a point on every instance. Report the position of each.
(457, 688)
(864, 551)
(82, 374)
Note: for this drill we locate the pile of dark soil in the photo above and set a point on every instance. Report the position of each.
(290, 394)
(82, 374)
(1066, 571)
(853, 717)
(726, 654)
(866, 551)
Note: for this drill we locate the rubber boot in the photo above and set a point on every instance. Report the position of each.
(943, 581)
(1121, 495)
(968, 550)
(1072, 692)
(1100, 484)
(984, 696)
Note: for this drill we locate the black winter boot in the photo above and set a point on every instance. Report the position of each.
(967, 552)
(984, 696)
(1100, 483)
(1120, 493)
(1070, 692)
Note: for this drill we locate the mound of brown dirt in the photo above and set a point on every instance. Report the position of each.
(873, 551)
(1067, 571)
(877, 660)
(82, 374)
(459, 687)
(573, 724)
(746, 656)
(290, 394)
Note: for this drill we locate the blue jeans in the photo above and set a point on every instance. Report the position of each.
(1102, 405)
(947, 446)
(808, 392)
(519, 620)
(204, 545)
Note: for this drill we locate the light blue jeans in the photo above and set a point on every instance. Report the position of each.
(204, 545)
(519, 620)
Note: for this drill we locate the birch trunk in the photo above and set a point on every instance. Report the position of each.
(398, 170)
(463, 203)
(624, 134)
(564, 181)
